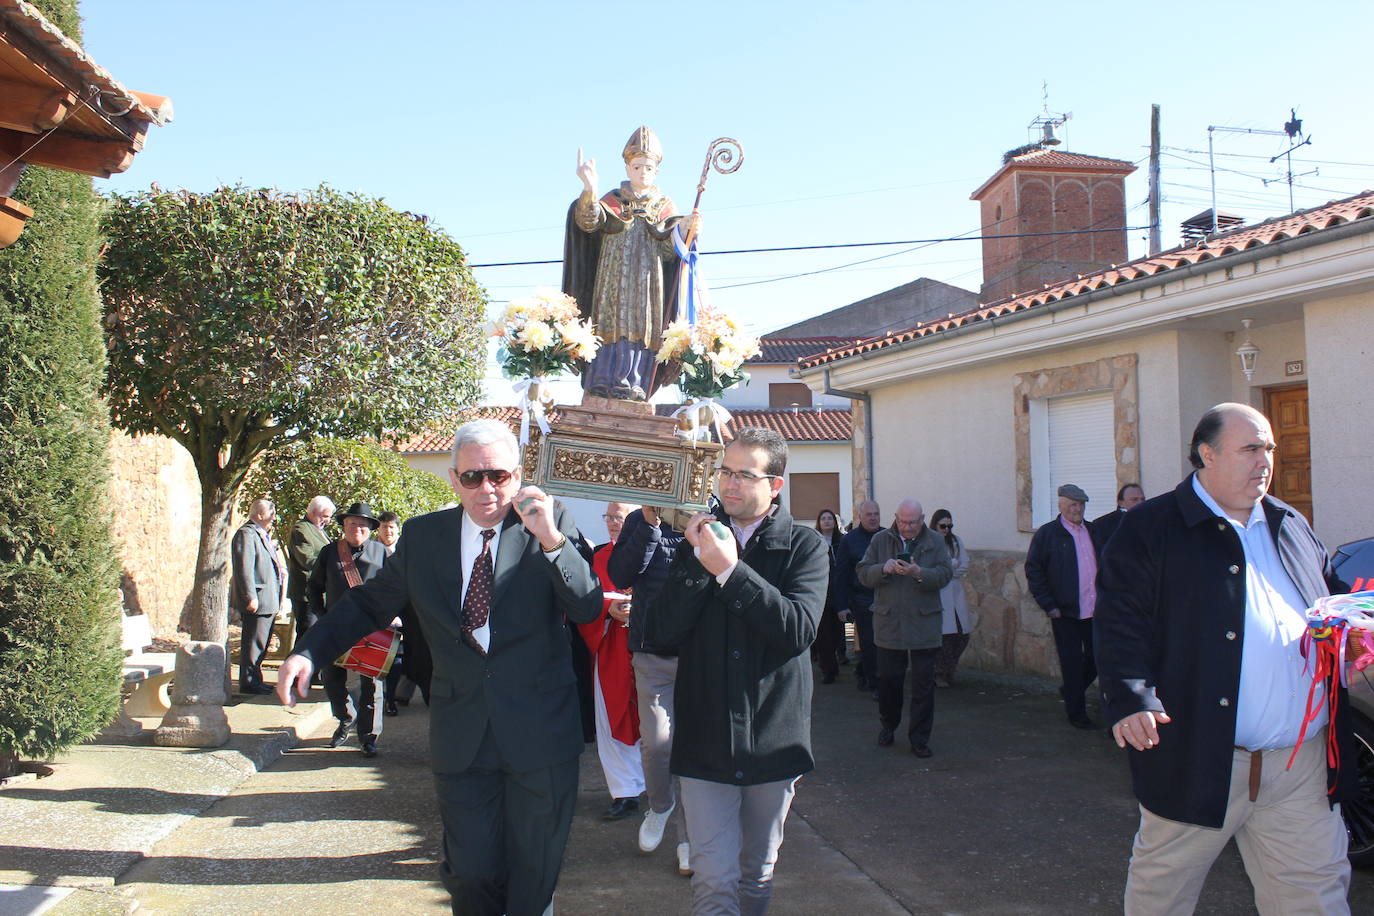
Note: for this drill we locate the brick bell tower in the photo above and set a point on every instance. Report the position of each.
(1039, 190)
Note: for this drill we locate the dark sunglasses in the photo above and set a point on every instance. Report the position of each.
(945, 526)
(471, 480)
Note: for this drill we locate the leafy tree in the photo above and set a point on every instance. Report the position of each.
(346, 471)
(240, 320)
(59, 649)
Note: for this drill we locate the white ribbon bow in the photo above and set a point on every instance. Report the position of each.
(535, 407)
(719, 417)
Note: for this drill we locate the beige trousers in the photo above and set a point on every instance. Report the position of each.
(1293, 844)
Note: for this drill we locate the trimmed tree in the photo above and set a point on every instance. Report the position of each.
(346, 471)
(59, 634)
(241, 320)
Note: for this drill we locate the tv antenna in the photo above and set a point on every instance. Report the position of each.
(1292, 130)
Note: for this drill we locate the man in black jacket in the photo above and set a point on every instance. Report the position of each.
(853, 599)
(640, 560)
(328, 583)
(1061, 571)
(742, 606)
(1200, 623)
(1127, 498)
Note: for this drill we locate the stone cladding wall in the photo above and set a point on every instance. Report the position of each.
(1011, 633)
(155, 499)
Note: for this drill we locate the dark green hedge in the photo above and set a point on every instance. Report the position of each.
(59, 633)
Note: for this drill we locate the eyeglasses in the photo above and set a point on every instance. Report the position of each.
(945, 526)
(471, 480)
(613, 518)
(745, 476)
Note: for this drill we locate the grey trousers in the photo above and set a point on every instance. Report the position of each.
(735, 832)
(655, 677)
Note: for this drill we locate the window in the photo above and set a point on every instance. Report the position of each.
(785, 394)
(1072, 441)
(810, 493)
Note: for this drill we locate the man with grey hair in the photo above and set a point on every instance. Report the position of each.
(1200, 625)
(303, 547)
(906, 566)
(490, 583)
(255, 591)
(1061, 572)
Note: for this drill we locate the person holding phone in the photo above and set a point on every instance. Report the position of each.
(906, 566)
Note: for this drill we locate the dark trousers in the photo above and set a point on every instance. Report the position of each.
(257, 631)
(504, 833)
(868, 652)
(335, 681)
(892, 665)
(829, 641)
(1073, 638)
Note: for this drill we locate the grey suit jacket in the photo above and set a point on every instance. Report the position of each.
(302, 549)
(524, 688)
(256, 573)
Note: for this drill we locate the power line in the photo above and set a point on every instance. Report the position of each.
(931, 241)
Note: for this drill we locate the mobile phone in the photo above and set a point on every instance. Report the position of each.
(904, 556)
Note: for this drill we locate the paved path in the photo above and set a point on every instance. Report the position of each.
(1015, 814)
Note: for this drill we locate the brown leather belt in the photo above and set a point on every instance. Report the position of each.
(1256, 768)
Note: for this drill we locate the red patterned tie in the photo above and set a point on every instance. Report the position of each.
(477, 602)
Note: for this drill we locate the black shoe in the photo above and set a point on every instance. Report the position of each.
(1083, 722)
(369, 747)
(885, 738)
(263, 689)
(920, 750)
(828, 677)
(341, 734)
(391, 709)
(621, 808)
(861, 683)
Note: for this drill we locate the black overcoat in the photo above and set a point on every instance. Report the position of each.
(1170, 625)
(743, 702)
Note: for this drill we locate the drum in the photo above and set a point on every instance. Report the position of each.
(373, 654)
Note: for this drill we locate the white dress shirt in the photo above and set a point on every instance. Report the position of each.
(470, 543)
(1274, 677)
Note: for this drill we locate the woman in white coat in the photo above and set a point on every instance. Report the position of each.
(958, 619)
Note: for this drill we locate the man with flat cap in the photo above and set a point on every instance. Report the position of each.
(341, 565)
(1061, 571)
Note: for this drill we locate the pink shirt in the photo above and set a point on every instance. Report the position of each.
(1087, 567)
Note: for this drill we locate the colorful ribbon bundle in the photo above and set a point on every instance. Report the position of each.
(1334, 623)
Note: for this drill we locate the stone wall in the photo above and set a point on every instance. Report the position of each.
(155, 498)
(1011, 633)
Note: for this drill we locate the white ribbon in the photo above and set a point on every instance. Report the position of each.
(535, 407)
(719, 417)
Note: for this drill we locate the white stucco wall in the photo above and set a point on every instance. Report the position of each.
(823, 458)
(1340, 372)
(754, 393)
(948, 439)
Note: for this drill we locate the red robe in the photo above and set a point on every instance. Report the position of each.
(609, 644)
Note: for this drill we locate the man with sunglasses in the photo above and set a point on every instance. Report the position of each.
(490, 583)
(741, 607)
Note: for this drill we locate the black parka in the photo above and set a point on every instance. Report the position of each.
(743, 702)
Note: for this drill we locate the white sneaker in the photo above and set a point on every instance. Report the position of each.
(651, 831)
(684, 860)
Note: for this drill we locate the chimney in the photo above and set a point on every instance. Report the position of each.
(1197, 228)
(1052, 215)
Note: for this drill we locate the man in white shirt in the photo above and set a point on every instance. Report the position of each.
(1200, 619)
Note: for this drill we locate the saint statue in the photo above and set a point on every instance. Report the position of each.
(619, 263)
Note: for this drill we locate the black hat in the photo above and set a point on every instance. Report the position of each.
(362, 511)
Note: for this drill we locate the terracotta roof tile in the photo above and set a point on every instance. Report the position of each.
(805, 424)
(1336, 213)
(1057, 159)
(790, 349)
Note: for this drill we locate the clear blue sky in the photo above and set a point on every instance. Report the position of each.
(861, 121)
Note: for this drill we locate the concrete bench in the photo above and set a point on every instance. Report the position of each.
(147, 676)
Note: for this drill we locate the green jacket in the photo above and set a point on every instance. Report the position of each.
(907, 614)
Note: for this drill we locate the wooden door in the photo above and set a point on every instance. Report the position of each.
(1286, 408)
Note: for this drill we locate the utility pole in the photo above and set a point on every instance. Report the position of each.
(1154, 181)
